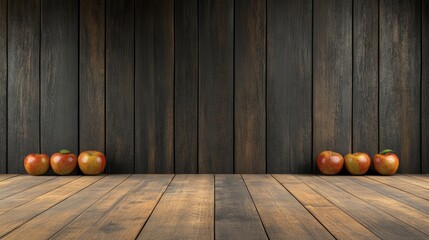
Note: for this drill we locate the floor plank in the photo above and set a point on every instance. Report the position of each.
(186, 210)
(7, 176)
(423, 177)
(127, 217)
(235, 214)
(18, 216)
(377, 221)
(55, 218)
(404, 186)
(20, 198)
(82, 225)
(21, 183)
(338, 223)
(278, 208)
(407, 198)
(412, 180)
(401, 211)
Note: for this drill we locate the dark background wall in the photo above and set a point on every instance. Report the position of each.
(214, 86)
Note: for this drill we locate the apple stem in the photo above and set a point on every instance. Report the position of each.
(64, 151)
(386, 151)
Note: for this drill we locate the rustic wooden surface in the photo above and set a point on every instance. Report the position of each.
(120, 86)
(186, 86)
(154, 89)
(59, 76)
(3, 86)
(400, 73)
(332, 76)
(92, 75)
(425, 86)
(249, 88)
(23, 82)
(214, 207)
(289, 84)
(365, 76)
(216, 87)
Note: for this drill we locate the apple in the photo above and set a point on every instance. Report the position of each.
(63, 162)
(357, 163)
(36, 164)
(386, 162)
(92, 162)
(330, 163)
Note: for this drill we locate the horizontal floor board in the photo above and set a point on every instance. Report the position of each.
(220, 206)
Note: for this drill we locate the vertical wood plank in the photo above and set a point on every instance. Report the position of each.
(400, 69)
(92, 75)
(332, 76)
(289, 86)
(186, 86)
(365, 76)
(250, 70)
(120, 86)
(3, 86)
(23, 79)
(216, 40)
(425, 86)
(154, 87)
(59, 75)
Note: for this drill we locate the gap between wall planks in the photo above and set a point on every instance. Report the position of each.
(214, 85)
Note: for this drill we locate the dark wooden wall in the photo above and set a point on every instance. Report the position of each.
(214, 86)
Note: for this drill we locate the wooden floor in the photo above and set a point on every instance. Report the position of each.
(214, 206)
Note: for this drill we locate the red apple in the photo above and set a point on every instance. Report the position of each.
(92, 162)
(329, 162)
(63, 162)
(357, 163)
(36, 164)
(386, 162)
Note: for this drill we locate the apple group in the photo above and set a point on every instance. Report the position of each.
(331, 163)
(64, 162)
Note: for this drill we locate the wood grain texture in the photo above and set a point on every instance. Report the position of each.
(332, 76)
(78, 228)
(409, 199)
(127, 217)
(249, 88)
(404, 186)
(425, 86)
(7, 176)
(59, 76)
(400, 75)
(289, 86)
(185, 211)
(154, 86)
(216, 86)
(395, 208)
(365, 76)
(337, 222)
(278, 208)
(415, 181)
(23, 82)
(120, 86)
(380, 223)
(3, 86)
(235, 214)
(186, 86)
(33, 192)
(10, 190)
(19, 215)
(92, 76)
(64, 212)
